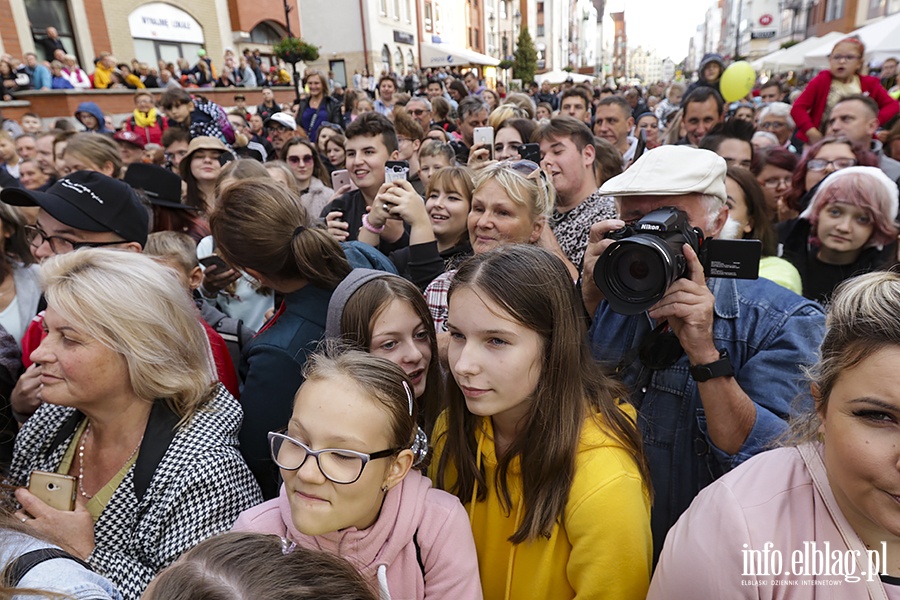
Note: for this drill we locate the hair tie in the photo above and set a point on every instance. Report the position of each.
(298, 231)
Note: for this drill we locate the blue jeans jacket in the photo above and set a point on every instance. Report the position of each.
(769, 333)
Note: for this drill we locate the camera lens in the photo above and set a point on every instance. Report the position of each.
(637, 269)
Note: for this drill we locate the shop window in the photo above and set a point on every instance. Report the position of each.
(266, 33)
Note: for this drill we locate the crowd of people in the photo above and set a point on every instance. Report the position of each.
(455, 341)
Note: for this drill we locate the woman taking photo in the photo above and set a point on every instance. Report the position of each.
(301, 156)
(534, 441)
(511, 134)
(199, 170)
(131, 411)
(350, 488)
(259, 228)
(834, 485)
(849, 228)
(319, 107)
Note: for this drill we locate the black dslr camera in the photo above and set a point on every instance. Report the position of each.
(646, 258)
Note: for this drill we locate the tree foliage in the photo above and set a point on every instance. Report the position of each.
(525, 62)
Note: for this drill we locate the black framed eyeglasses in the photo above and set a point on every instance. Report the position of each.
(59, 245)
(337, 465)
(820, 164)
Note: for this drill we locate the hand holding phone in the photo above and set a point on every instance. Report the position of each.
(214, 260)
(54, 489)
(340, 178)
(530, 152)
(396, 170)
(484, 136)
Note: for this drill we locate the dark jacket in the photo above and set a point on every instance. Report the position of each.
(701, 82)
(332, 109)
(421, 263)
(92, 108)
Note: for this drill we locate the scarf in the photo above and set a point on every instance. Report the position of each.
(145, 120)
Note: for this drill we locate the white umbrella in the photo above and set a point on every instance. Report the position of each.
(882, 40)
(794, 57)
(764, 62)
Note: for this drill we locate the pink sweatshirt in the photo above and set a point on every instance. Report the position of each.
(770, 499)
(386, 552)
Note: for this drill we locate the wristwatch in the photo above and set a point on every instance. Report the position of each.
(717, 368)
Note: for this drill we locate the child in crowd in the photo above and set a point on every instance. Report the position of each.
(347, 459)
(8, 154)
(434, 155)
(536, 441)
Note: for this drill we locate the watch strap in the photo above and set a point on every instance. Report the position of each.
(717, 368)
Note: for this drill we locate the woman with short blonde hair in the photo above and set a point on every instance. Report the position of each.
(132, 412)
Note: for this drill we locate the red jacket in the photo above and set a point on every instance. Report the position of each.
(152, 134)
(809, 108)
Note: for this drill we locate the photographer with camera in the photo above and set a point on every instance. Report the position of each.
(713, 365)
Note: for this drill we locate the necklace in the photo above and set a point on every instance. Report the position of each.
(84, 436)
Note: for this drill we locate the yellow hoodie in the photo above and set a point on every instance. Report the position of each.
(603, 551)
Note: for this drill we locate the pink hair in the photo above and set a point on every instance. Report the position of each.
(858, 189)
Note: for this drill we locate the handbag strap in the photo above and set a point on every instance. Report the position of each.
(18, 568)
(816, 469)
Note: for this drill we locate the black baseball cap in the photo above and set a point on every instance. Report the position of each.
(89, 201)
(160, 186)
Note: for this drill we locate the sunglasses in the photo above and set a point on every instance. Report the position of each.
(296, 160)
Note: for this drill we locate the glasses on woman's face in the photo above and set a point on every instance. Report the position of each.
(844, 57)
(776, 182)
(306, 159)
(820, 164)
(337, 465)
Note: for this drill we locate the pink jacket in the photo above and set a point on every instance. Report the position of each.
(809, 108)
(415, 520)
(769, 499)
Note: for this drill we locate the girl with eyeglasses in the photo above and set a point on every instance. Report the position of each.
(774, 171)
(535, 442)
(842, 78)
(849, 228)
(350, 489)
(302, 157)
(826, 156)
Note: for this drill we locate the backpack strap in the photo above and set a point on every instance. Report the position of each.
(18, 568)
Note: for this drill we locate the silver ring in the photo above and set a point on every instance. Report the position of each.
(24, 519)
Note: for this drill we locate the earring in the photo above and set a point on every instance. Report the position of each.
(384, 487)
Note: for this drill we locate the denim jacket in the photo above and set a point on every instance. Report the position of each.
(768, 331)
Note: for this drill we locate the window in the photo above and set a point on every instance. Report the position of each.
(834, 10)
(408, 12)
(502, 9)
(410, 59)
(877, 8)
(428, 23)
(396, 10)
(540, 31)
(386, 59)
(50, 13)
(398, 60)
(265, 33)
(540, 8)
(383, 8)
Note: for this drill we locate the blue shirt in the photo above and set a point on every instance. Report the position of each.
(41, 78)
(768, 331)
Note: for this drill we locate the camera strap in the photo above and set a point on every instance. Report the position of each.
(660, 349)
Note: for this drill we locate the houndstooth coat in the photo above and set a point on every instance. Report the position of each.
(186, 485)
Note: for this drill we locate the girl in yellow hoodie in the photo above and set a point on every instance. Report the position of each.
(533, 442)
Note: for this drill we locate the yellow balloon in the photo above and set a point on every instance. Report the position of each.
(737, 81)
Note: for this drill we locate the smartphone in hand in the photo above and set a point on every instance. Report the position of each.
(214, 259)
(54, 489)
(395, 170)
(485, 137)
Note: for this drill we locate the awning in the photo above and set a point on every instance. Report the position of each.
(561, 76)
(446, 55)
(880, 38)
(792, 58)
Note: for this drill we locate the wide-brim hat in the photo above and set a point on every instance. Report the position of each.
(203, 142)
